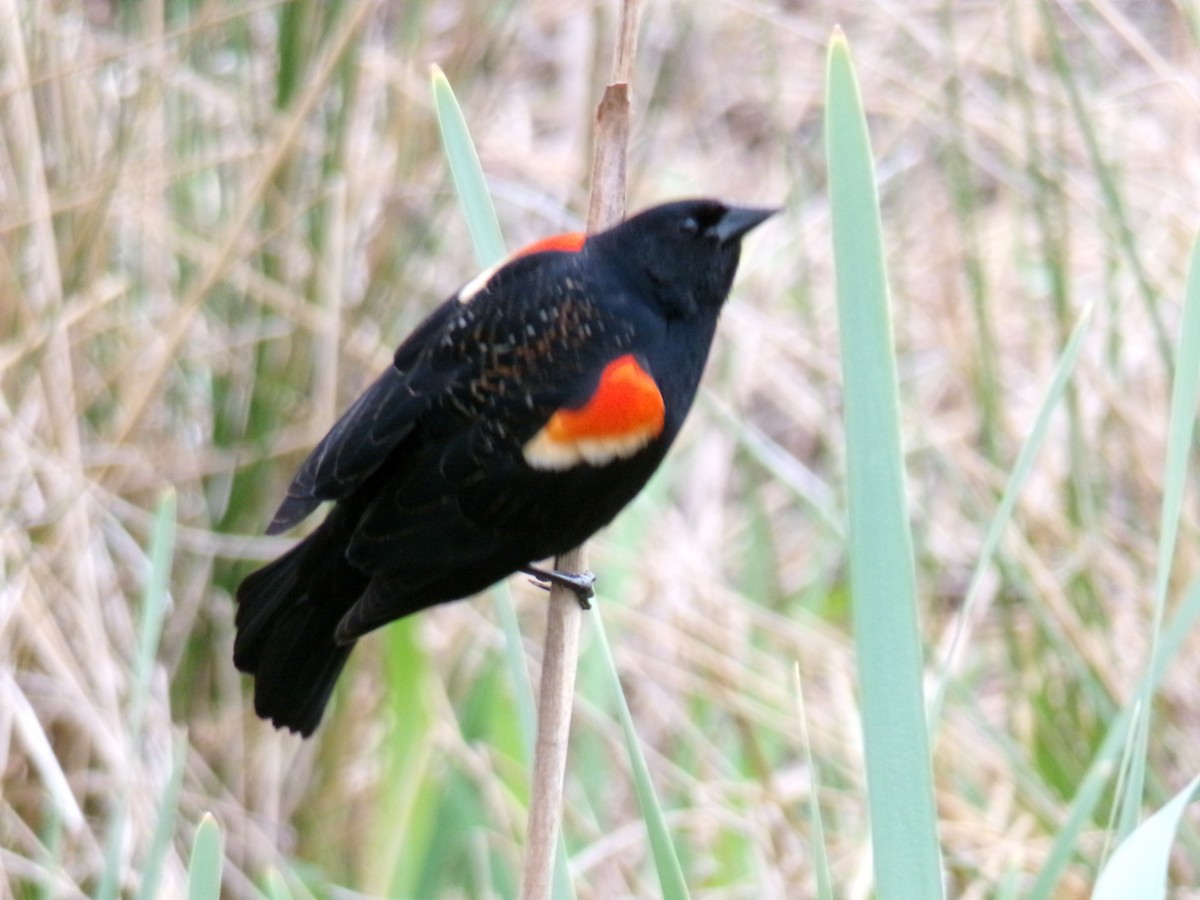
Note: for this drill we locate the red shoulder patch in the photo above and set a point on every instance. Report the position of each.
(570, 242)
(623, 414)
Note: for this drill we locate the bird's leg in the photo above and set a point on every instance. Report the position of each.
(580, 584)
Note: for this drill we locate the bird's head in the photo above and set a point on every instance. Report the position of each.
(686, 252)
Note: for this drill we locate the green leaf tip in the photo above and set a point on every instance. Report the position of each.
(467, 174)
(204, 866)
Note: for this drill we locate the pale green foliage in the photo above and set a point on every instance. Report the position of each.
(883, 591)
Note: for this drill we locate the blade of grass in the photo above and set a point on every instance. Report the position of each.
(961, 173)
(1180, 430)
(1140, 865)
(469, 182)
(1004, 511)
(276, 886)
(1105, 762)
(154, 606)
(400, 830)
(514, 659)
(782, 465)
(1114, 202)
(165, 823)
(51, 834)
(666, 860)
(819, 851)
(204, 867)
(907, 857)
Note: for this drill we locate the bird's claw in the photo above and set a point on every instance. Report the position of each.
(581, 584)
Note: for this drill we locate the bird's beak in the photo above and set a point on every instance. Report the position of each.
(740, 219)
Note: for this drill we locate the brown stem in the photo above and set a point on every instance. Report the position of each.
(563, 617)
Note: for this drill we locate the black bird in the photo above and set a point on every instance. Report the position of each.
(513, 423)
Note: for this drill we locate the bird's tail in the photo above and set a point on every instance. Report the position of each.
(287, 614)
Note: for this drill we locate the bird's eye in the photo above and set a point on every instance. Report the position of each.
(689, 225)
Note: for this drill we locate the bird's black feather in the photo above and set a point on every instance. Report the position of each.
(437, 494)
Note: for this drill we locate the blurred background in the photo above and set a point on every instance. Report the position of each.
(217, 219)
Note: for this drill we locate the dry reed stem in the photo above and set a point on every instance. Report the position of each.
(564, 616)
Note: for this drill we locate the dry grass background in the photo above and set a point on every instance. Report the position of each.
(217, 219)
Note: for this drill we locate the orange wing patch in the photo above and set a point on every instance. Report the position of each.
(570, 242)
(625, 413)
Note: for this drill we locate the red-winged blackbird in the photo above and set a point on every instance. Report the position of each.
(513, 423)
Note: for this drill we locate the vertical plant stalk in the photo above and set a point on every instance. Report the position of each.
(900, 790)
(560, 657)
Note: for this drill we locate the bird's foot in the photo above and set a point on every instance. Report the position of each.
(581, 584)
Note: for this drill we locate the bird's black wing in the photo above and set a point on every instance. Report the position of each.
(377, 422)
(453, 359)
